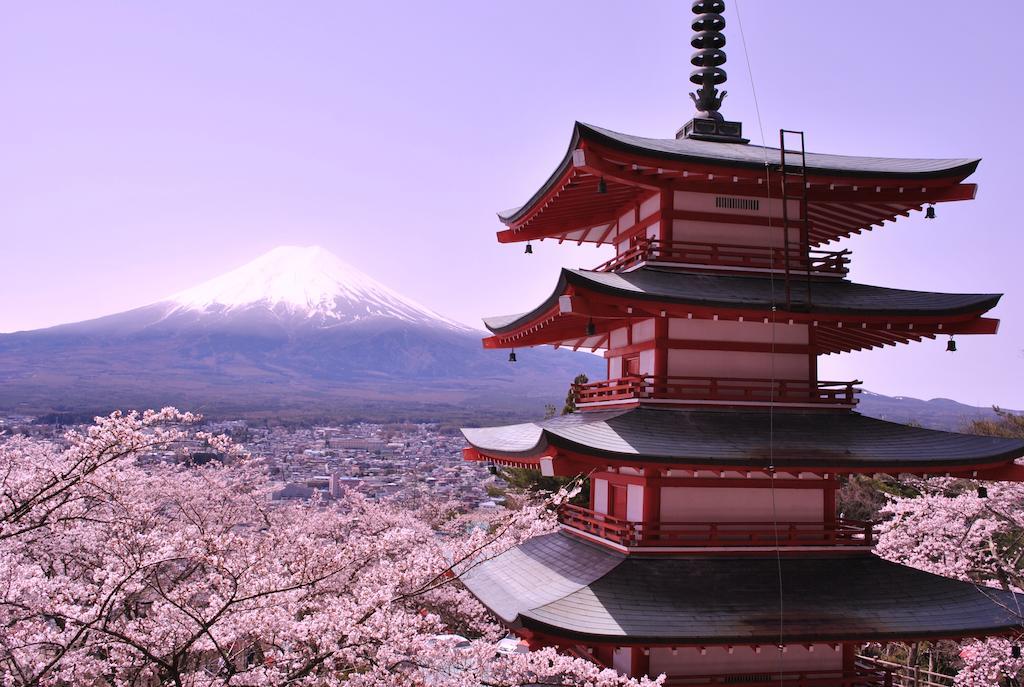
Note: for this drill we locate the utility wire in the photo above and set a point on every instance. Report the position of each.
(774, 310)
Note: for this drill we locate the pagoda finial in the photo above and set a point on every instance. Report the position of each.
(709, 58)
(708, 124)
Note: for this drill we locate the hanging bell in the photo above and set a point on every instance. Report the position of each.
(929, 212)
(591, 329)
(1015, 651)
(982, 492)
(512, 357)
(602, 187)
(529, 249)
(951, 345)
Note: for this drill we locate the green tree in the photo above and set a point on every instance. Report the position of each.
(536, 484)
(1005, 424)
(570, 398)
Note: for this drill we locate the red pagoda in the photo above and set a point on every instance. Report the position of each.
(711, 549)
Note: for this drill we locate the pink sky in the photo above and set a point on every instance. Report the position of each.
(148, 146)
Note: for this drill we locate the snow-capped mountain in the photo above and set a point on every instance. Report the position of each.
(295, 331)
(305, 282)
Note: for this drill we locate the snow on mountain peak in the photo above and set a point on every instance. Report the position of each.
(308, 281)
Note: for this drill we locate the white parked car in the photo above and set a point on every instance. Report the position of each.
(457, 641)
(513, 645)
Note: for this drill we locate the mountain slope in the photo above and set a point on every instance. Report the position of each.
(936, 413)
(296, 329)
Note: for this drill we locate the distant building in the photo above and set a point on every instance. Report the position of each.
(340, 483)
(357, 444)
(294, 492)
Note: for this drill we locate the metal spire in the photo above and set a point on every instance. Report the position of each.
(708, 39)
(709, 58)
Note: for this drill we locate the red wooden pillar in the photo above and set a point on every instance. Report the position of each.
(660, 348)
(652, 502)
(640, 662)
(849, 658)
(605, 655)
(665, 223)
(829, 497)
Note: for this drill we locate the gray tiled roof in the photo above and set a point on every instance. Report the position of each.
(558, 583)
(755, 293)
(731, 437)
(752, 156)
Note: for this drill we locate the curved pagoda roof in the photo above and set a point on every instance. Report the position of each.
(874, 189)
(563, 586)
(651, 290)
(724, 438)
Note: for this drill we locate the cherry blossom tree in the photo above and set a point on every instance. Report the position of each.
(119, 571)
(954, 530)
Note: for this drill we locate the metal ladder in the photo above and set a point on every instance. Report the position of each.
(789, 173)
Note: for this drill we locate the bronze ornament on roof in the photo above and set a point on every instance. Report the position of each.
(709, 58)
(708, 39)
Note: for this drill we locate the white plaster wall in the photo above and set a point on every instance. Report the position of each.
(626, 220)
(652, 204)
(743, 659)
(647, 362)
(643, 331)
(731, 330)
(622, 660)
(618, 338)
(614, 367)
(738, 504)
(696, 231)
(705, 202)
(635, 503)
(737, 234)
(737, 364)
(601, 495)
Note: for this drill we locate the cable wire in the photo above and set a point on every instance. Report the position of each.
(774, 311)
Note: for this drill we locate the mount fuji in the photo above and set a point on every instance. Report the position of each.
(295, 286)
(298, 332)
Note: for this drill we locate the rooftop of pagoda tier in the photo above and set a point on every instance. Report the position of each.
(847, 315)
(846, 194)
(737, 440)
(559, 585)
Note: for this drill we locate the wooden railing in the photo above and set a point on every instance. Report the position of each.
(843, 532)
(829, 263)
(907, 676)
(861, 677)
(710, 389)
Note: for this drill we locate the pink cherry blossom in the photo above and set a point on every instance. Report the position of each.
(950, 530)
(119, 572)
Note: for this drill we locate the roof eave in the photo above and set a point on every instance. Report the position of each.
(578, 279)
(525, 620)
(588, 132)
(560, 171)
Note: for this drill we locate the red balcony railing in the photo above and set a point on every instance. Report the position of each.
(860, 677)
(715, 390)
(843, 532)
(828, 263)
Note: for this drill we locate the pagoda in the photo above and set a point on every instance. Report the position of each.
(711, 549)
